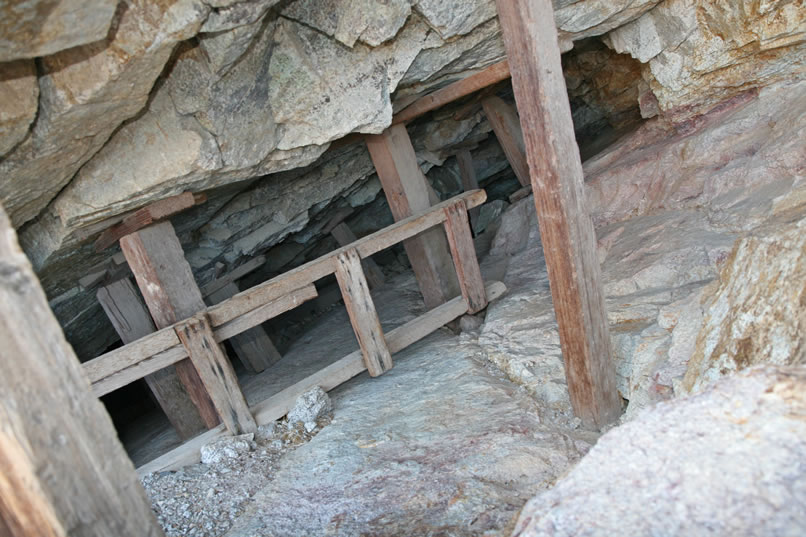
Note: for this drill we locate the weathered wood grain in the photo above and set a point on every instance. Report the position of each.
(361, 310)
(486, 77)
(339, 372)
(166, 282)
(344, 236)
(216, 373)
(504, 120)
(256, 305)
(467, 173)
(235, 274)
(62, 469)
(407, 190)
(463, 251)
(566, 229)
(253, 347)
(130, 318)
(146, 216)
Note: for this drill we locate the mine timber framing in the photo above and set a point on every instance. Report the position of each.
(566, 229)
(199, 336)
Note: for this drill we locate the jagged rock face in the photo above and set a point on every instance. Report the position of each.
(669, 211)
(757, 313)
(126, 107)
(697, 53)
(35, 28)
(726, 462)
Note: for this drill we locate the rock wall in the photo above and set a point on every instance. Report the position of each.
(114, 105)
(726, 462)
(700, 240)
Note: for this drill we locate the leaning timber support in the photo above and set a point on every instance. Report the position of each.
(408, 192)
(253, 347)
(361, 309)
(258, 304)
(467, 173)
(166, 282)
(504, 120)
(344, 236)
(463, 251)
(63, 470)
(278, 405)
(131, 320)
(216, 373)
(566, 229)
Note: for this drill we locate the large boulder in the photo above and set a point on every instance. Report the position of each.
(697, 54)
(729, 461)
(756, 313)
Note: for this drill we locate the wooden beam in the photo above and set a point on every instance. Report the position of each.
(566, 229)
(256, 305)
(520, 193)
(323, 266)
(408, 192)
(171, 294)
(344, 236)
(254, 347)
(63, 470)
(486, 77)
(131, 321)
(159, 210)
(361, 309)
(467, 173)
(463, 251)
(339, 372)
(123, 366)
(507, 128)
(237, 273)
(216, 373)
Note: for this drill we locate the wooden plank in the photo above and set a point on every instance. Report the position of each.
(237, 273)
(566, 229)
(150, 354)
(63, 470)
(504, 120)
(407, 191)
(463, 251)
(344, 236)
(486, 77)
(520, 194)
(171, 294)
(216, 373)
(324, 266)
(131, 321)
(361, 309)
(263, 313)
(24, 507)
(146, 216)
(269, 298)
(339, 372)
(467, 173)
(253, 346)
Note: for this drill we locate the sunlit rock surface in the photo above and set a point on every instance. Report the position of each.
(728, 461)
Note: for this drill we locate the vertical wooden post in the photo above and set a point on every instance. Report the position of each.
(407, 191)
(171, 294)
(469, 182)
(131, 320)
(463, 251)
(63, 470)
(344, 236)
(504, 120)
(566, 229)
(361, 309)
(216, 373)
(254, 347)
